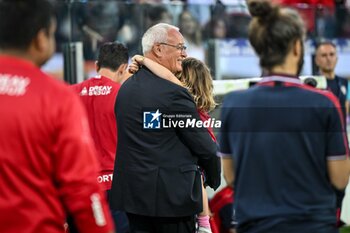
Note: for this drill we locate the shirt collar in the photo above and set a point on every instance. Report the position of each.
(281, 78)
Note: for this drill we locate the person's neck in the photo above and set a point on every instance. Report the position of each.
(152, 57)
(329, 75)
(107, 73)
(284, 69)
(19, 54)
(156, 59)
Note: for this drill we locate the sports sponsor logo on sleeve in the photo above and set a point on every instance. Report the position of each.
(97, 209)
(84, 91)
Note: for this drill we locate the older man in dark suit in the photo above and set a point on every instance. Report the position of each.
(156, 177)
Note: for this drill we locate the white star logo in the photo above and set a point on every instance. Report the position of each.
(156, 115)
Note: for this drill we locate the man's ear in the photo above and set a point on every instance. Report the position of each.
(336, 57)
(122, 68)
(97, 66)
(297, 48)
(157, 50)
(316, 61)
(121, 73)
(39, 46)
(40, 42)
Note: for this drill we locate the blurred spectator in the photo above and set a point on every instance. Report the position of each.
(199, 10)
(238, 25)
(155, 14)
(190, 29)
(216, 28)
(218, 10)
(132, 29)
(129, 34)
(63, 31)
(99, 22)
(342, 25)
(227, 21)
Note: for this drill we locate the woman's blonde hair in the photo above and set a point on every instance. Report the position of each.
(197, 79)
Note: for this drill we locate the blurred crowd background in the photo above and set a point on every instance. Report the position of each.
(215, 31)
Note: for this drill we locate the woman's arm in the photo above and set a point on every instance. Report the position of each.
(156, 68)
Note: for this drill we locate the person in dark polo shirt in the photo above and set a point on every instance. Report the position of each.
(285, 140)
(326, 59)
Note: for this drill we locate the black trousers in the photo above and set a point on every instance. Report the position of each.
(146, 224)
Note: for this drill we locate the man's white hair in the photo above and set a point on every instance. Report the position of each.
(156, 34)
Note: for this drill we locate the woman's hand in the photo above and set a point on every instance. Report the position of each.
(136, 62)
(138, 59)
(133, 67)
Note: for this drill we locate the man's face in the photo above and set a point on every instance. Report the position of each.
(173, 51)
(326, 58)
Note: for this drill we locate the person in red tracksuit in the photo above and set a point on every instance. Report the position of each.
(48, 163)
(98, 95)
